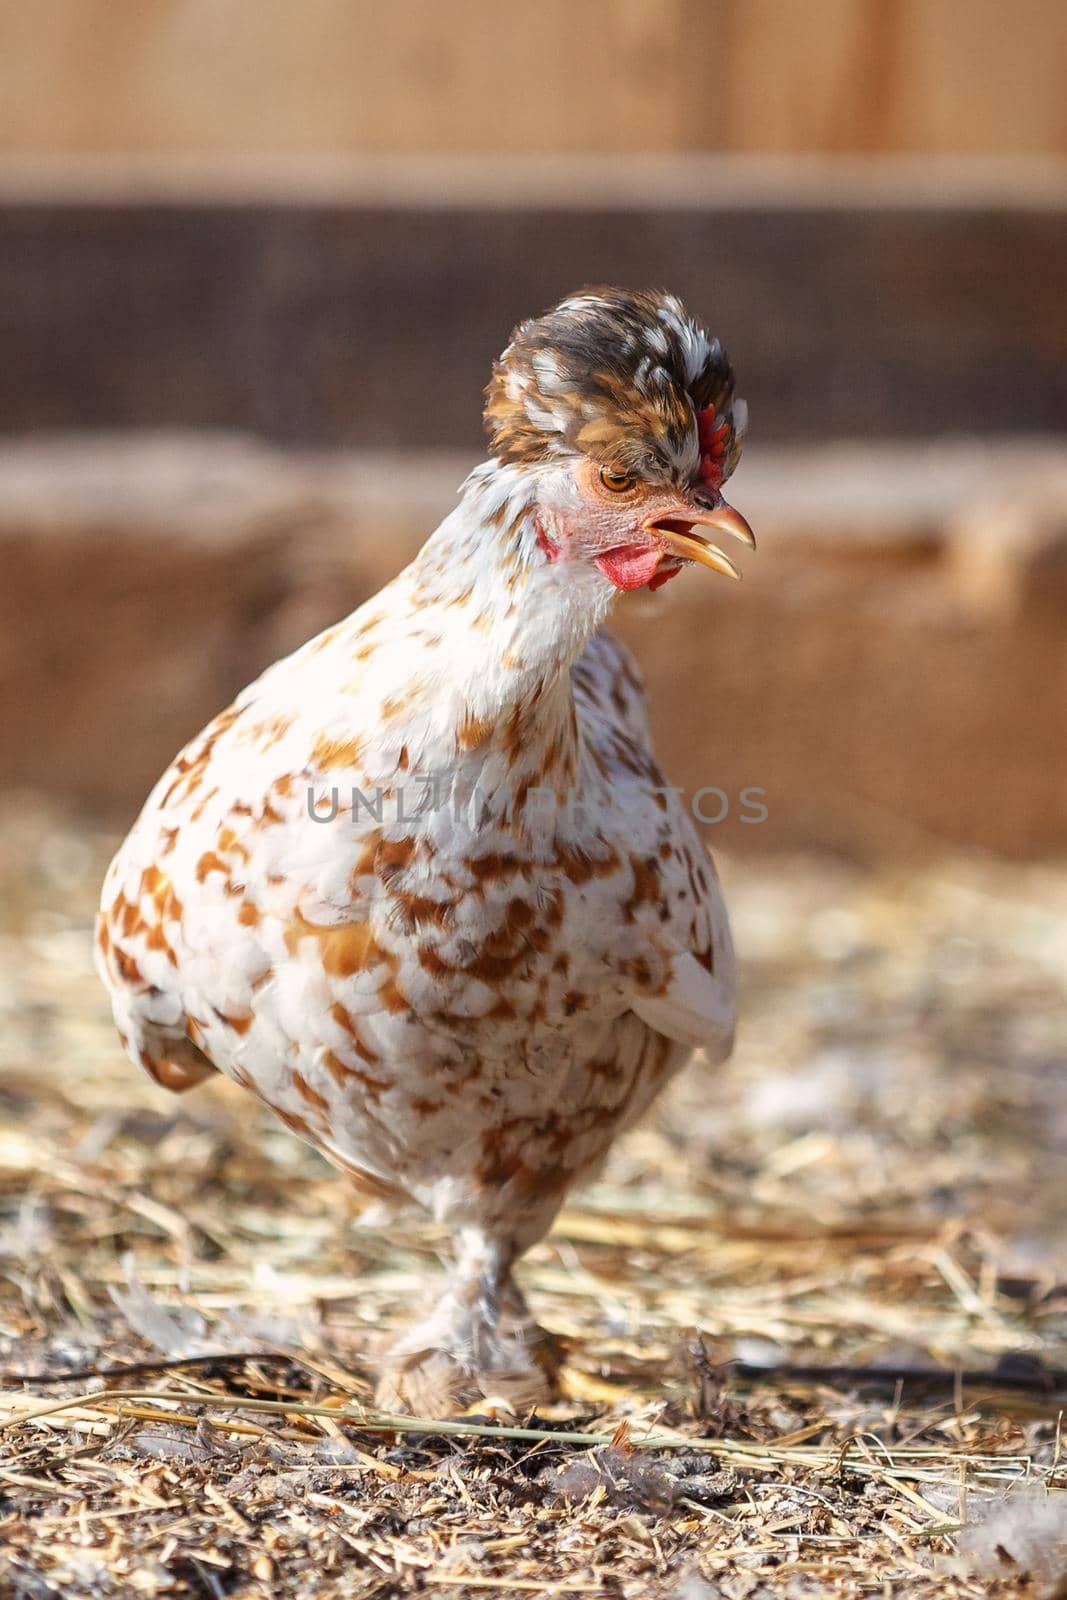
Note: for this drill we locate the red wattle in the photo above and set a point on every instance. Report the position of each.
(664, 575)
(630, 566)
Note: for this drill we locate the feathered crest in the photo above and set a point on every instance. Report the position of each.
(628, 378)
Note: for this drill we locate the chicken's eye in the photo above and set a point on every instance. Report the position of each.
(617, 482)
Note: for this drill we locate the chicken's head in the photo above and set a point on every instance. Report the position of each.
(622, 410)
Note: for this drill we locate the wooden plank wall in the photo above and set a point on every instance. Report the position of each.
(375, 325)
(839, 76)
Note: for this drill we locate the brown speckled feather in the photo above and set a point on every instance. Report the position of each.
(422, 888)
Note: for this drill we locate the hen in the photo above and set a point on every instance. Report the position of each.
(422, 888)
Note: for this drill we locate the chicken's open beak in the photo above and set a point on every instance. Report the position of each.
(679, 532)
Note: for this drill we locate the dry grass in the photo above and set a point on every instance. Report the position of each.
(879, 1178)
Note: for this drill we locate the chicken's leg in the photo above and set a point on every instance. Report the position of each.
(478, 1342)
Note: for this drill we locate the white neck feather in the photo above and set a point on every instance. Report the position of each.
(512, 621)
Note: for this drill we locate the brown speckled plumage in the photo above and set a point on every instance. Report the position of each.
(617, 376)
(422, 888)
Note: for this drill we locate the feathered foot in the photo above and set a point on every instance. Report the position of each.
(480, 1342)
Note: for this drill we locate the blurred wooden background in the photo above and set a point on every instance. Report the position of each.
(835, 76)
(314, 222)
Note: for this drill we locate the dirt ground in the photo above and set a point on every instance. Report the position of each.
(874, 1186)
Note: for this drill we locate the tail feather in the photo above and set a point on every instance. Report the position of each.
(177, 1064)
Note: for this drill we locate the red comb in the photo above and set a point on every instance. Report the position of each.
(713, 434)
